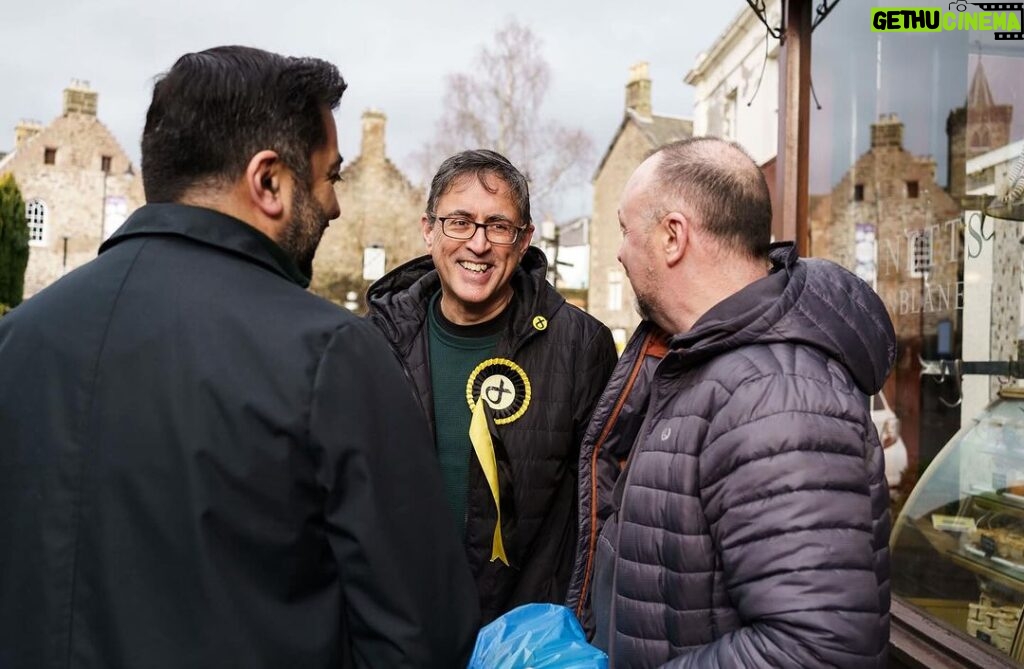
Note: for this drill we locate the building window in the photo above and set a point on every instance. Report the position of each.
(115, 211)
(50, 156)
(920, 252)
(866, 253)
(35, 214)
(105, 164)
(614, 290)
(913, 190)
(858, 192)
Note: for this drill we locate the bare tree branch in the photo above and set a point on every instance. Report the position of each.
(498, 106)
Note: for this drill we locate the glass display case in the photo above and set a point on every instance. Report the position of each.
(958, 545)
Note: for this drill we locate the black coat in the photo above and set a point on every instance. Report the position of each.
(204, 465)
(567, 358)
(751, 525)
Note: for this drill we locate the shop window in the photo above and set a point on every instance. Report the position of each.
(35, 215)
(50, 156)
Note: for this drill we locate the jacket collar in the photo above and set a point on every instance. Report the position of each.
(808, 301)
(209, 227)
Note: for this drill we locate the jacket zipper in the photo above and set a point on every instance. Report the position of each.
(634, 452)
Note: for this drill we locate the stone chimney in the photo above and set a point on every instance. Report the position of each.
(79, 98)
(638, 90)
(374, 121)
(26, 130)
(888, 131)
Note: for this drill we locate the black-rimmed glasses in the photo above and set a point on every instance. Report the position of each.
(462, 228)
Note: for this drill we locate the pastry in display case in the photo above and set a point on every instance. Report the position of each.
(958, 545)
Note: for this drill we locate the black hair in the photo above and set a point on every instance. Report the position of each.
(481, 162)
(214, 110)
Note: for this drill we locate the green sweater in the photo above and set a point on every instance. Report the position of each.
(455, 351)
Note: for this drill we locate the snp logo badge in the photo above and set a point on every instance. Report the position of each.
(503, 385)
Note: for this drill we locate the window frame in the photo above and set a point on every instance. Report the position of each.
(36, 213)
(916, 268)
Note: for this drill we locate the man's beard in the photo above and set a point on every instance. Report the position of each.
(302, 236)
(642, 307)
(644, 302)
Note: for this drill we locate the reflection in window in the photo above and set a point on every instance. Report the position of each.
(921, 252)
(35, 214)
(866, 253)
(980, 139)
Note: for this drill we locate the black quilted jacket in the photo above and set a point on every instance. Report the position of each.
(750, 526)
(567, 360)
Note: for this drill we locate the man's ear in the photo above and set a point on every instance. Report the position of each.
(428, 231)
(263, 177)
(676, 236)
(526, 239)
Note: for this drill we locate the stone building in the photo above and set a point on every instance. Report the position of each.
(987, 123)
(888, 221)
(641, 131)
(78, 185)
(379, 228)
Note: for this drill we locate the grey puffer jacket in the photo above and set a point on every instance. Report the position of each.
(750, 526)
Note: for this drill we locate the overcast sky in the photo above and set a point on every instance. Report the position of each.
(394, 55)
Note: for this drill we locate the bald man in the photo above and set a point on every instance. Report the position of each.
(749, 524)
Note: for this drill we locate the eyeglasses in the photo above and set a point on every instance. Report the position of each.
(460, 227)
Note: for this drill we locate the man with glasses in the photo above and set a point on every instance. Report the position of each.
(507, 372)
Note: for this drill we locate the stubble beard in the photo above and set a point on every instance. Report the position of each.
(302, 236)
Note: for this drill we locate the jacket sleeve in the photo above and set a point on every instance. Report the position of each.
(409, 596)
(786, 493)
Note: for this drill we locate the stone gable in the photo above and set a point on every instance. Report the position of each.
(379, 208)
(88, 190)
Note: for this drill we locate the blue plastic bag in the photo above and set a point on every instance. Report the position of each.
(535, 636)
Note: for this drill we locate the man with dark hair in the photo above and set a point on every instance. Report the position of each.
(198, 465)
(507, 372)
(740, 515)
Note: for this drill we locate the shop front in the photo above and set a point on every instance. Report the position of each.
(915, 181)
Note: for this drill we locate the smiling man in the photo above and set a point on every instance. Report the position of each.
(507, 372)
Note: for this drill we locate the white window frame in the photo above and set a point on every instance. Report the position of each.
(921, 256)
(35, 217)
